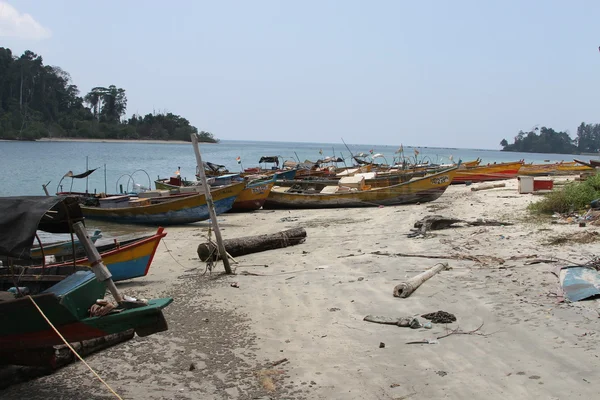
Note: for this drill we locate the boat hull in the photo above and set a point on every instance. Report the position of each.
(253, 196)
(423, 190)
(129, 261)
(187, 209)
(62, 249)
(495, 172)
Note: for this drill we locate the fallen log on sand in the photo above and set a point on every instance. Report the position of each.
(405, 289)
(253, 244)
(487, 187)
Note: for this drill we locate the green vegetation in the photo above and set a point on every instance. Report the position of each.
(574, 196)
(40, 101)
(547, 140)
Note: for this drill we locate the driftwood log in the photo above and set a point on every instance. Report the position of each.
(253, 244)
(487, 187)
(405, 289)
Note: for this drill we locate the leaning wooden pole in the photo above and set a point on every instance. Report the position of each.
(405, 289)
(102, 273)
(210, 204)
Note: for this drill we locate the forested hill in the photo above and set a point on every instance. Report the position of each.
(39, 101)
(547, 140)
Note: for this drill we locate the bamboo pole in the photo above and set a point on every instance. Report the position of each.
(100, 270)
(210, 204)
(405, 289)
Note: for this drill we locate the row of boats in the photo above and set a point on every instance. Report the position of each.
(307, 185)
(66, 294)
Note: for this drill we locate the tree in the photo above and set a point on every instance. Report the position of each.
(547, 141)
(38, 100)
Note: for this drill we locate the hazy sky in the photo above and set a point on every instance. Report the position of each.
(436, 73)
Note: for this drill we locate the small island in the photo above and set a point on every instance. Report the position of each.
(547, 140)
(40, 101)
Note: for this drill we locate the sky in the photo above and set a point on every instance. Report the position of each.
(437, 73)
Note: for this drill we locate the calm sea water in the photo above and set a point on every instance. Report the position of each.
(26, 166)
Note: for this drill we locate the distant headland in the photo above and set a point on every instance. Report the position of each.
(40, 101)
(547, 140)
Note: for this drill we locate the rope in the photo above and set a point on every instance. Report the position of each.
(73, 350)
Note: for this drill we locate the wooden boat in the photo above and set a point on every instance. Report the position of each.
(169, 211)
(66, 305)
(251, 198)
(561, 168)
(471, 164)
(422, 190)
(61, 249)
(254, 195)
(489, 172)
(572, 167)
(124, 261)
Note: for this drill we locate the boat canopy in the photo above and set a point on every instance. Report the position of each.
(21, 217)
(79, 176)
(269, 159)
(212, 167)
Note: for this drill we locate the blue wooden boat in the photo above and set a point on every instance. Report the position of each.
(128, 260)
(285, 174)
(182, 209)
(64, 248)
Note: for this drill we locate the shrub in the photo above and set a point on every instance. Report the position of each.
(572, 197)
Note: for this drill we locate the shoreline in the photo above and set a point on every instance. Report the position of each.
(114, 141)
(291, 324)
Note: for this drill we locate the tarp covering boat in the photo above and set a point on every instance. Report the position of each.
(79, 176)
(269, 159)
(21, 216)
(212, 166)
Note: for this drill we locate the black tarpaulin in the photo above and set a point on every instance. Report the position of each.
(272, 159)
(20, 217)
(211, 166)
(79, 176)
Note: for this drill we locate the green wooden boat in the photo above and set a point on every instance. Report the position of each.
(66, 305)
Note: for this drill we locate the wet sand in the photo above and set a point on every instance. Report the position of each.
(309, 302)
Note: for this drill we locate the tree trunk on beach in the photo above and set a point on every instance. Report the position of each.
(253, 244)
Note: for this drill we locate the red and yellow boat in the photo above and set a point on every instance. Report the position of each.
(489, 172)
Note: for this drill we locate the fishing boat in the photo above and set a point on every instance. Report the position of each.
(422, 190)
(65, 304)
(251, 198)
(63, 248)
(489, 172)
(559, 168)
(124, 261)
(162, 211)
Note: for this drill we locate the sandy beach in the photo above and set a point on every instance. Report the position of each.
(308, 302)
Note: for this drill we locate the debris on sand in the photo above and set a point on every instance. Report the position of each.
(440, 317)
(579, 237)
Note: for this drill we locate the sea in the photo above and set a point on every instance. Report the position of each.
(26, 166)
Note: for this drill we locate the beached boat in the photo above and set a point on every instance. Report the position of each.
(422, 190)
(560, 168)
(251, 198)
(124, 261)
(489, 172)
(168, 210)
(66, 304)
(63, 248)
